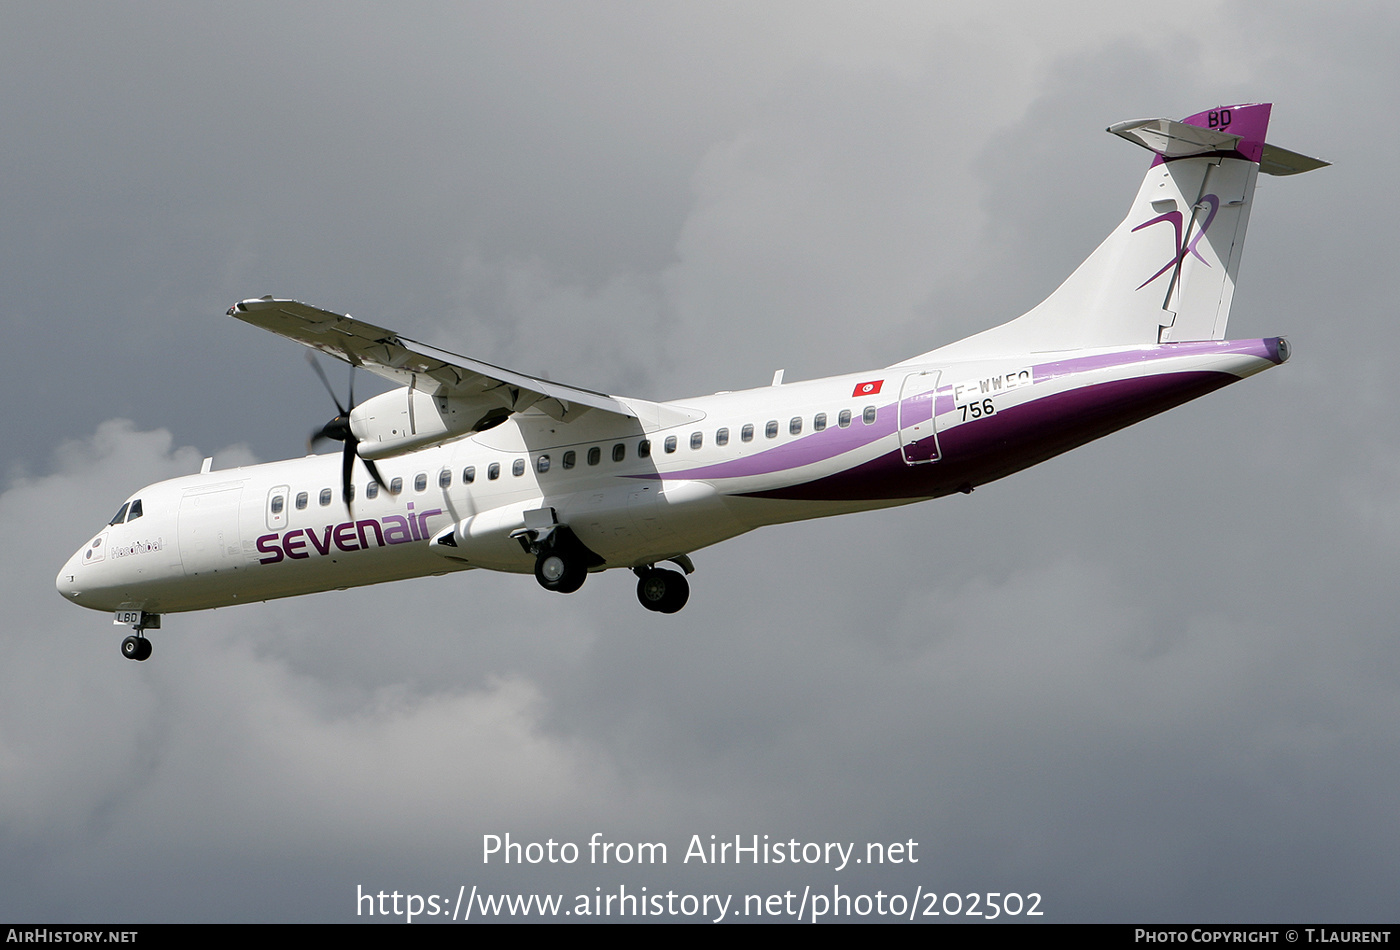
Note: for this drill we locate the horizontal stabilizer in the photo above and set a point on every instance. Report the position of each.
(1172, 139)
(1280, 161)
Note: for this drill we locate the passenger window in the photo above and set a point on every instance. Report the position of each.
(697, 439)
(819, 422)
(722, 437)
(420, 481)
(350, 492)
(844, 419)
(542, 464)
(302, 498)
(278, 503)
(619, 452)
(570, 458)
(372, 490)
(445, 478)
(493, 471)
(517, 467)
(644, 449)
(747, 433)
(795, 425)
(135, 511)
(396, 486)
(868, 417)
(771, 429)
(670, 443)
(469, 474)
(325, 498)
(595, 455)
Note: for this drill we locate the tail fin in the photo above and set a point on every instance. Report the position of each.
(1167, 273)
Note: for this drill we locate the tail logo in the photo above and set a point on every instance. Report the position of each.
(1182, 248)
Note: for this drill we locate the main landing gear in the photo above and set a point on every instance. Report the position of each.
(560, 570)
(562, 562)
(561, 559)
(661, 590)
(136, 646)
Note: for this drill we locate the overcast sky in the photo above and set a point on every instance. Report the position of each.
(1152, 680)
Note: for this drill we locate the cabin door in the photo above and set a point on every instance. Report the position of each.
(918, 440)
(209, 537)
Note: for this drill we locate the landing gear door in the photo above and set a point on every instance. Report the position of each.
(918, 440)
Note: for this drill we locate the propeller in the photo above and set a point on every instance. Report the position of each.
(338, 430)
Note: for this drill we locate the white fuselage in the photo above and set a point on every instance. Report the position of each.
(633, 494)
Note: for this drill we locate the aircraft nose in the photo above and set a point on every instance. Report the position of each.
(67, 580)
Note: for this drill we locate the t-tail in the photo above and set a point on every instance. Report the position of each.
(1167, 273)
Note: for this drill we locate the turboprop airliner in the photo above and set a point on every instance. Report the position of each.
(467, 465)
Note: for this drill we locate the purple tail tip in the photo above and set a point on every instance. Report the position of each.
(1248, 120)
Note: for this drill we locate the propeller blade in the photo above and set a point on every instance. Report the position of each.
(374, 473)
(338, 430)
(324, 434)
(347, 469)
(311, 358)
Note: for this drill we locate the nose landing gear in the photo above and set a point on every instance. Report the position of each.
(136, 646)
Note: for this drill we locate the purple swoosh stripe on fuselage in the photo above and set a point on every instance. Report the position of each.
(1016, 438)
(1264, 349)
(835, 441)
(817, 447)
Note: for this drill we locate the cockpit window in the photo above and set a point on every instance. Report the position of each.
(135, 511)
(120, 516)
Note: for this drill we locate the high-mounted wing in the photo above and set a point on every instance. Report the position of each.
(446, 396)
(424, 368)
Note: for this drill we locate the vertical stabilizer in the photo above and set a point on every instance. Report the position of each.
(1201, 283)
(1167, 273)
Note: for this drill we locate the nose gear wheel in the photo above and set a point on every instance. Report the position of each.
(136, 648)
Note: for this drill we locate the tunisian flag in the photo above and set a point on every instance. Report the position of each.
(867, 389)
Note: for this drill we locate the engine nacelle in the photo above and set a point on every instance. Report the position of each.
(403, 420)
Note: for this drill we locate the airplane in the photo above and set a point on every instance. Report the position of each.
(471, 466)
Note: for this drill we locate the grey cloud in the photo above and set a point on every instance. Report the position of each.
(1153, 679)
